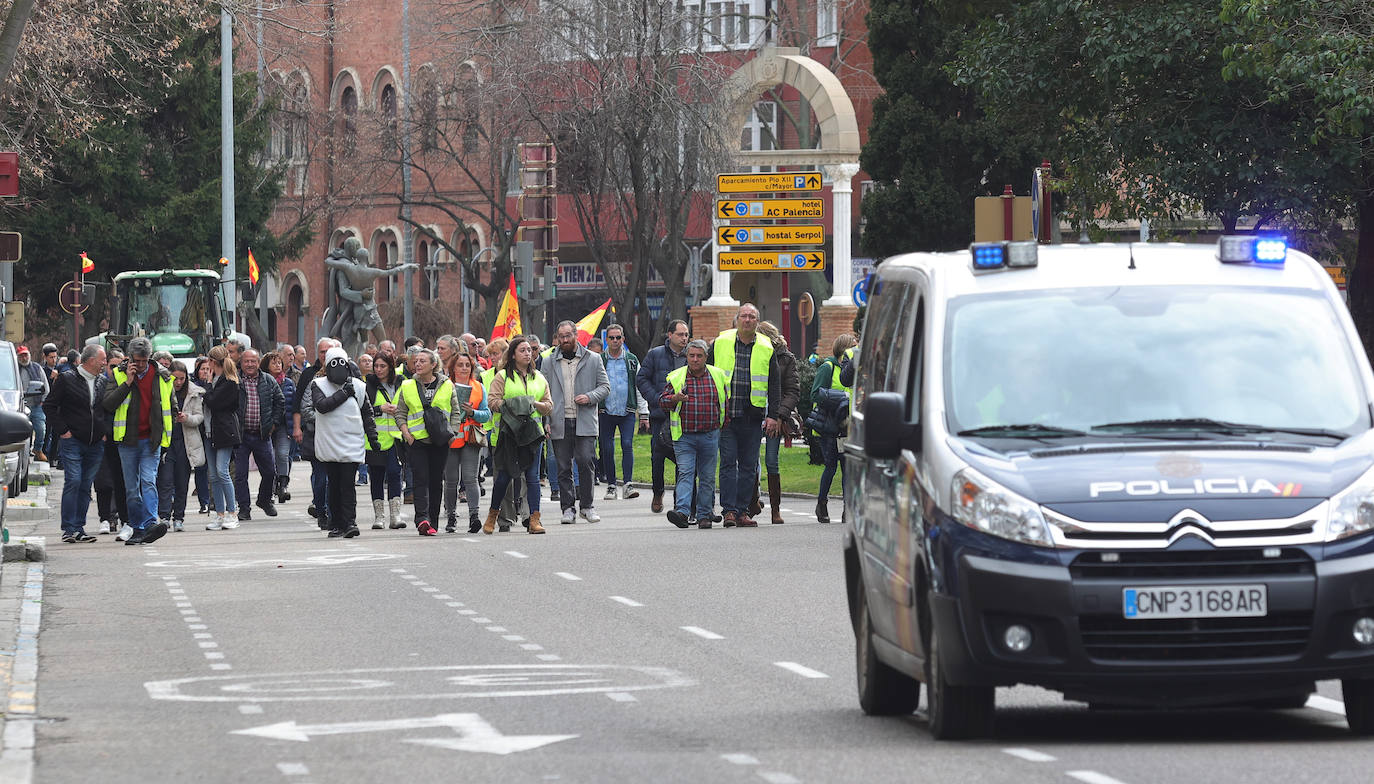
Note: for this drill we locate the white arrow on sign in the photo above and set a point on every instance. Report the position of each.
(475, 733)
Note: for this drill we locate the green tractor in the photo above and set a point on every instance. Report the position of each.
(180, 311)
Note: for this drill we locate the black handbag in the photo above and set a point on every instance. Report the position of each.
(436, 422)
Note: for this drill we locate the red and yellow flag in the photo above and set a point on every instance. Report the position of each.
(587, 327)
(508, 317)
(252, 268)
(86, 264)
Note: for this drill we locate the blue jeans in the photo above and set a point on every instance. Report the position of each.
(626, 423)
(221, 486)
(739, 461)
(39, 419)
(696, 455)
(139, 458)
(261, 451)
(771, 445)
(386, 482)
(503, 479)
(202, 477)
(80, 462)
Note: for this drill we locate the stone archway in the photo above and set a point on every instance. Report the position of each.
(837, 156)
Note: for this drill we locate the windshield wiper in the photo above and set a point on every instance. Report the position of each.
(1029, 430)
(1203, 424)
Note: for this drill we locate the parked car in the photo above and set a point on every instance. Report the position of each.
(16, 459)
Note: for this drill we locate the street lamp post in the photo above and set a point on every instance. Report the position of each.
(464, 293)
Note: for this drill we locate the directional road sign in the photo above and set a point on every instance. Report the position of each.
(861, 292)
(729, 209)
(771, 261)
(771, 235)
(764, 183)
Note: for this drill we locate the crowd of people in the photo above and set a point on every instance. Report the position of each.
(425, 427)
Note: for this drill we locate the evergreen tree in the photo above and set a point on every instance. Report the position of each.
(144, 192)
(930, 147)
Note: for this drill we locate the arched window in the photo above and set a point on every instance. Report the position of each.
(386, 103)
(348, 103)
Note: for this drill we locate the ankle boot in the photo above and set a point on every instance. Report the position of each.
(822, 511)
(775, 497)
(452, 526)
(282, 495)
(754, 506)
(394, 506)
(535, 527)
(489, 527)
(378, 514)
(474, 524)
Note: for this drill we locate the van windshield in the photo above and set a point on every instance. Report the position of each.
(1145, 359)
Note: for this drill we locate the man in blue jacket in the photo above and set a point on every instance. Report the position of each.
(650, 380)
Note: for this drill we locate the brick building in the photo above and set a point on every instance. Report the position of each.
(339, 69)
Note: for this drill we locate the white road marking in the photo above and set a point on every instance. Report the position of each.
(568, 576)
(202, 635)
(778, 777)
(739, 759)
(514, 554)
(480, 620)
(250, 710)
(625, 601)
(700, 632)
(192, 619)
(1326, 704)
(220, 666)
(805, 672)
(1029, 755)
(398, 571)
(470, 539)
(473, 733)
(512, 638)
(187, 612)
(496, 629)
(442, 596)
(183, 604)
(214, 654)
(454, 604)
(293, 769)
(549, 657)
(208, 644)
(620, 696)
(531, 646)
(195, 626)
(428, 589)
(1093, 777)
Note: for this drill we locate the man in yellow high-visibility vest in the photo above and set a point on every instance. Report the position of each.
(144, 414)
(755, 386)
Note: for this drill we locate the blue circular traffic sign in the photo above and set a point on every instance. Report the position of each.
(742, 236)
(799, 261)
(861, 292)
(741, 209)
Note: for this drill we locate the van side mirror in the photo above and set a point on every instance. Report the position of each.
(15, 429)
(885, 429)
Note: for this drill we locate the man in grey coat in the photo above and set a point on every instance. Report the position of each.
(577, 385)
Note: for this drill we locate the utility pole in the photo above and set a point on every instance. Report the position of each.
(226, 165)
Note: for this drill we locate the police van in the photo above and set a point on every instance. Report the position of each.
(1141, 475)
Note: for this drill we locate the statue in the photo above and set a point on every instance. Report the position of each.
(352, 314)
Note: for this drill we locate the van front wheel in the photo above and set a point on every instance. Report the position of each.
(883, 691)
(956, 712)
(1359, 705)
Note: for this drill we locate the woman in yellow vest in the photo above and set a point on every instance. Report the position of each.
(383, 390)
(828, 377)
(517, 379)
(427, 388)
(465, 448)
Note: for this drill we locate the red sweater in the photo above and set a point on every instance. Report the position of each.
(145, 402)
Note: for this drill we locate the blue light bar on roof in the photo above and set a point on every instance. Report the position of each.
(1251, 249)
(988, 255)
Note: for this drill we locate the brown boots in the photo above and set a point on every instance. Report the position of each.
(489, 527)
(775, 497)
(535, 527)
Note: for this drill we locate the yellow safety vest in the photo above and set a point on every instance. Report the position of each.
(485, 377)
(415, 410)
(759, 357)
(121, 416)
(517, 387)
(678, 380)
(835, 374)
(387, 429)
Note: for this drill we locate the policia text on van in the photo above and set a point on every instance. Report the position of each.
(1140, 475)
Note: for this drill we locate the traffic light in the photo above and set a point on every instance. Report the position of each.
(523, 267)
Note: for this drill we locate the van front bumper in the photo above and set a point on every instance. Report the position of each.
(1083, 646)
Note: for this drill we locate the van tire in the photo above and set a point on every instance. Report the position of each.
(956, 712)
(883, 691)
(1359, 705)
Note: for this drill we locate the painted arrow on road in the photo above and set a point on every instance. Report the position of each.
(475, 733)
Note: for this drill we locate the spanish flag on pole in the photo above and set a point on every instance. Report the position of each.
(252, 268)
(86, 264)
(508, 317)
(587, 327)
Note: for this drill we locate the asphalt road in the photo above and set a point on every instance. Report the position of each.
(625, 651)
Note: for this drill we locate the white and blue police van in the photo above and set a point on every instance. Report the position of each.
(1141, 475)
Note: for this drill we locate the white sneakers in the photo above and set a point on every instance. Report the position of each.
(104, 526)
(610, 493)
(590, 515)
(125, 532)
(230, 521)
(569, 516)
(216, 522)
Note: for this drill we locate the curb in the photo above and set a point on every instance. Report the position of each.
(25, 548)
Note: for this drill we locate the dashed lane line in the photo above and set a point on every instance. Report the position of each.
(625, 601)
(778, 777)
(1029, 755)
(739, 759)
(516, 554)
(804, 671)
(703, 633)
(572, 578)
(293, 769)
(1093, 777)
(620, 696)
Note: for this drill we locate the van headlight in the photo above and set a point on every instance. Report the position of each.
(1352, 509)
(986, 506)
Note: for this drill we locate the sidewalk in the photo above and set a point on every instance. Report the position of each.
(30, 521)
